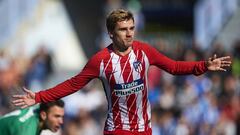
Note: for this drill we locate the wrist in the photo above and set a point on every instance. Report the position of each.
(206, 63)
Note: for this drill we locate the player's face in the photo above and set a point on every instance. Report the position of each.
(54, 118)
(123, 34)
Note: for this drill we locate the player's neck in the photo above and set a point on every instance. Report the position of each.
(122, 51)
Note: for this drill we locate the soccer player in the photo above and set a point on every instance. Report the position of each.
(32, 120)
(122, 67)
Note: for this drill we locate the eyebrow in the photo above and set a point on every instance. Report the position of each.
(132, 27)
(58, 115)
(124, 28)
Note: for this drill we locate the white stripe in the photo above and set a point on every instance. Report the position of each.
(146, 73)
(122, 104)
(109, 121)
(105, 84)
(114, 60)
(149, 113)
(141, 125)
(104, 68)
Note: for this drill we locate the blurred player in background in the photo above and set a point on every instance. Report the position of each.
(122, 67)
(32, 120)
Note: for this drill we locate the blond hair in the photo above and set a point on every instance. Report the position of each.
(117, 16)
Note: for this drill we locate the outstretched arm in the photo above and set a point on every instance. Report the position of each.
(186, 67)
(63, 89)
(24, 100)
(218, 64)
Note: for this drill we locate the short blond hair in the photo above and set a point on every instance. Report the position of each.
(117, 16)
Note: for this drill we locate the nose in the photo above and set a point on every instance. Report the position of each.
(129, 33)
(61, 121)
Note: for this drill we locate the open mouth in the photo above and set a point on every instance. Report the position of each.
(56, 128)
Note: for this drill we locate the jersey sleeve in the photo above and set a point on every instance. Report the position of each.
(171, 66)
(89, 72)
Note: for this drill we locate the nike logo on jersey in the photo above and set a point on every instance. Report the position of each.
(113, 72)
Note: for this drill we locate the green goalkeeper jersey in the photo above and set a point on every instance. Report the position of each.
(20, 122)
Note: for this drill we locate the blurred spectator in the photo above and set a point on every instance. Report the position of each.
(84, 110)
(136, 8)
(225, 126)
(10, 79)
(154, 77)
(167, 98)
(91, 94)
(216, 84)
(182, 127)
(167, 123)
(236, 59)
(84, 124)
(186, 91)
(39, 69)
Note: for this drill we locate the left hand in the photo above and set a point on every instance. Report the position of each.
(218, 64)
(26, 100)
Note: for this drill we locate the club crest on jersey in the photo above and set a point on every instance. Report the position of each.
(137, 66)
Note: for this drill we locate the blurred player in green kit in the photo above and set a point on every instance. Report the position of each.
(32, 120)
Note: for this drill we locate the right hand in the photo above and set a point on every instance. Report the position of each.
(26, 100)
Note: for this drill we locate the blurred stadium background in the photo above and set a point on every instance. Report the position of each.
(44, 42)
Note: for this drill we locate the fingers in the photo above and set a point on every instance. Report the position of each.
(226, 62)
(25, 106)
(17, 101)
(221, 58)
(225, 57)
(18, 96)
(23, 100)
(210, 59)
(19, 104)
(22, 96)
(26, 90)
(215, 56)
(222, 69)
(225, 65)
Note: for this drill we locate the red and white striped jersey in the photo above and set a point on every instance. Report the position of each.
(125, 83)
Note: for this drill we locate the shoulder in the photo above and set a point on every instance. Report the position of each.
(102, 53)
(16, 113)
(140, 44)
(19, 120)
(99, 56)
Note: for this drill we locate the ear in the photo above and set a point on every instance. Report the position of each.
(43, 115)
(110, 35)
